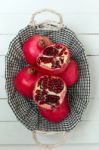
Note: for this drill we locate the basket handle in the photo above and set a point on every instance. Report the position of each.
(48, 24)
(49, 146)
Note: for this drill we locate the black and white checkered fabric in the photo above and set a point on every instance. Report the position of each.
(25, 110)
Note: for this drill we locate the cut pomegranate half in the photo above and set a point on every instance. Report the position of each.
(49, 94)
(54, 59)
(57, 114)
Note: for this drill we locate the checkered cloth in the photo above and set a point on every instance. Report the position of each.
(25, 109)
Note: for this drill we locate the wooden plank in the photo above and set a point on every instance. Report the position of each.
(90, 43)
(66, 6)
(92, 111)
(85, 132)
(14, 133)
(12, 23)
(90, 114)
(62, 147)
(3, 93)
(94, 72)
(6, 113)
(94, 75)
(2, 66)
(4, 43)
(79, 22)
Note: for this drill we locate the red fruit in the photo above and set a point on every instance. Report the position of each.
(25, 80)
(71, 75)
(33, 46)
(49, 94)
(54, 59)
(57, 114)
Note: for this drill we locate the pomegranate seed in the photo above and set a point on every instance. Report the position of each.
(50, 51)
(42, 102)
(55, 85)
(52, 98)
(57, 45)
(39, 96)
(45, 59)
(61, 60)
(65, 53)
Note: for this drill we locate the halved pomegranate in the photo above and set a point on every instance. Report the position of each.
(33, 46)
(54, 59)
(58, 113)
(49, 94)
(71, 74)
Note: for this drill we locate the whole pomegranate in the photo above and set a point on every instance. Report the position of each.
(54, 59)
(33, 46)
(71, 74)
(25, 80)
(49, 94)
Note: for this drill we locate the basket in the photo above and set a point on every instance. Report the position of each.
(25, 110)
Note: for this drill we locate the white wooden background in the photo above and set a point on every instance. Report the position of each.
(82, 16)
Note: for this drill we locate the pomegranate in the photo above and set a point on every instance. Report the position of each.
(57, 114)
(49, 94)
(25, 80)
(71, 74)
(54, 59)
(33, 46)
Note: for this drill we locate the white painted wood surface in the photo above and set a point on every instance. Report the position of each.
(88, 23)
(82, 16)
(34, 147)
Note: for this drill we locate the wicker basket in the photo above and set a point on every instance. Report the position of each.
(25, 110)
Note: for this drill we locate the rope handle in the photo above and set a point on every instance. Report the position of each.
(49, 146)
(48, 24)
